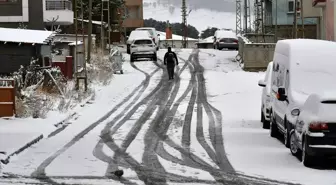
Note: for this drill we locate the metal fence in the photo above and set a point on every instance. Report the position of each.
(58, 5)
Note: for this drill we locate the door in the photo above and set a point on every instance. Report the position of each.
(279, 107)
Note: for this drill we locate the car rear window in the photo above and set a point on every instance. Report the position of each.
(228, 40)
(143, 42)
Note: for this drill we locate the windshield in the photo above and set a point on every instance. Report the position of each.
(316, 77)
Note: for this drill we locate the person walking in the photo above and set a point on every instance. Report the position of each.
(170, 59)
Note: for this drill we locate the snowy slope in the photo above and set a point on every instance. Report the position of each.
(204, 14)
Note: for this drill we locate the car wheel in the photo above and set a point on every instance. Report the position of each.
(273, 127)
(265, 123)
(306, 159)
(128, 49)
(155, 57)
(121, 72)
(293, 146)
(132, 58)
(286, 135)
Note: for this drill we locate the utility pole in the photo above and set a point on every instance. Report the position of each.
(184, 22)
(76, 40)
(90, 32)
(245, 16)
(238, 17)
(295, 19)
(102, 28)
(83, 37)
(276, 22)
(302, 19)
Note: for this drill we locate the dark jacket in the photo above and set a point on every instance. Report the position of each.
(166, 56)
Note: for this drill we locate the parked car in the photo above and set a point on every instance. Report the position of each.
(143, 48)
(225, 39)
(134, 35)
(154, 35)
(315, 130)
(301, 67)
(265, 96)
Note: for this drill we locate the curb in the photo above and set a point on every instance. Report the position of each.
(29, 144)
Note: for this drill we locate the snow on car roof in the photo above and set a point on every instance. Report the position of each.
(25, 35)
(225, 34)
(139, 33)
(175, 37)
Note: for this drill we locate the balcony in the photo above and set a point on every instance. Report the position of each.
(58, 12)
(319, 3)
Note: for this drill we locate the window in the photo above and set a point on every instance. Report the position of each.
(291, 6)
(8, 1)
(287, 80)
(143, 42)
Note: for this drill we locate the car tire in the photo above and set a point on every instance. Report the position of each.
(294, 149)
(132, 58)
(121, 72)
(273, 127)
(307, 160)
(286, 135)
(128, 49)
(265, 123)
(155, 58)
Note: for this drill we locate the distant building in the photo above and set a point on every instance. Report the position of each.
(282, 14)
(176, 41)
(35, 14)
(19, 46)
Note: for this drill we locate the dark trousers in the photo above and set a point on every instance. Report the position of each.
(170, 69)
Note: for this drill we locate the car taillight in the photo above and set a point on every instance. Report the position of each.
(235, 41)
(153, 39)
(318, 126)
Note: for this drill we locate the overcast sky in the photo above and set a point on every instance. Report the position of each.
(218, 5)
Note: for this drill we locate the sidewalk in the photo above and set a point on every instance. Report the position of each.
(18, 134)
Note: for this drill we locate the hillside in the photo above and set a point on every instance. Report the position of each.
(218, 13)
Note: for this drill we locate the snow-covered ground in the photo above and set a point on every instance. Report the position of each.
(83, 152)
(250, 149)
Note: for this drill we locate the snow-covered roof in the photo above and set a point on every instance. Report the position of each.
(74, 43)
(93, 22)
(25, 36)
(175, 37)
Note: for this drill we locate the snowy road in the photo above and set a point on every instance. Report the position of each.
(163, 132)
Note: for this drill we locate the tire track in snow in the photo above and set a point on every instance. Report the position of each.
(40, 171)
(155, 97)
(217, 139)
(150, 158)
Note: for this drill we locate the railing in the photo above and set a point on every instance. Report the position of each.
(58, 5)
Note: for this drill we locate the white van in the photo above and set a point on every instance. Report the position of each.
(301, 67)
(154, 35)
(266, 96)
(134, 35)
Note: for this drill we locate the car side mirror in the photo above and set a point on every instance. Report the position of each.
(127, 37)
(262, 83)
(158, 34)
(281, 95)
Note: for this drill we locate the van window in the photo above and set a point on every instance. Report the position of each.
(287, 80)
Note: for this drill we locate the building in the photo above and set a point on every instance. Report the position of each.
(326, 9)
(35, 14)
(133, 13)
(207, 43)
(19, 46)
(281, 13)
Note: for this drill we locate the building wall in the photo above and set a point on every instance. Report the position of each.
(329, 20)
(134, 14)
(177, 44)
(12, 56)
(284, 17)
